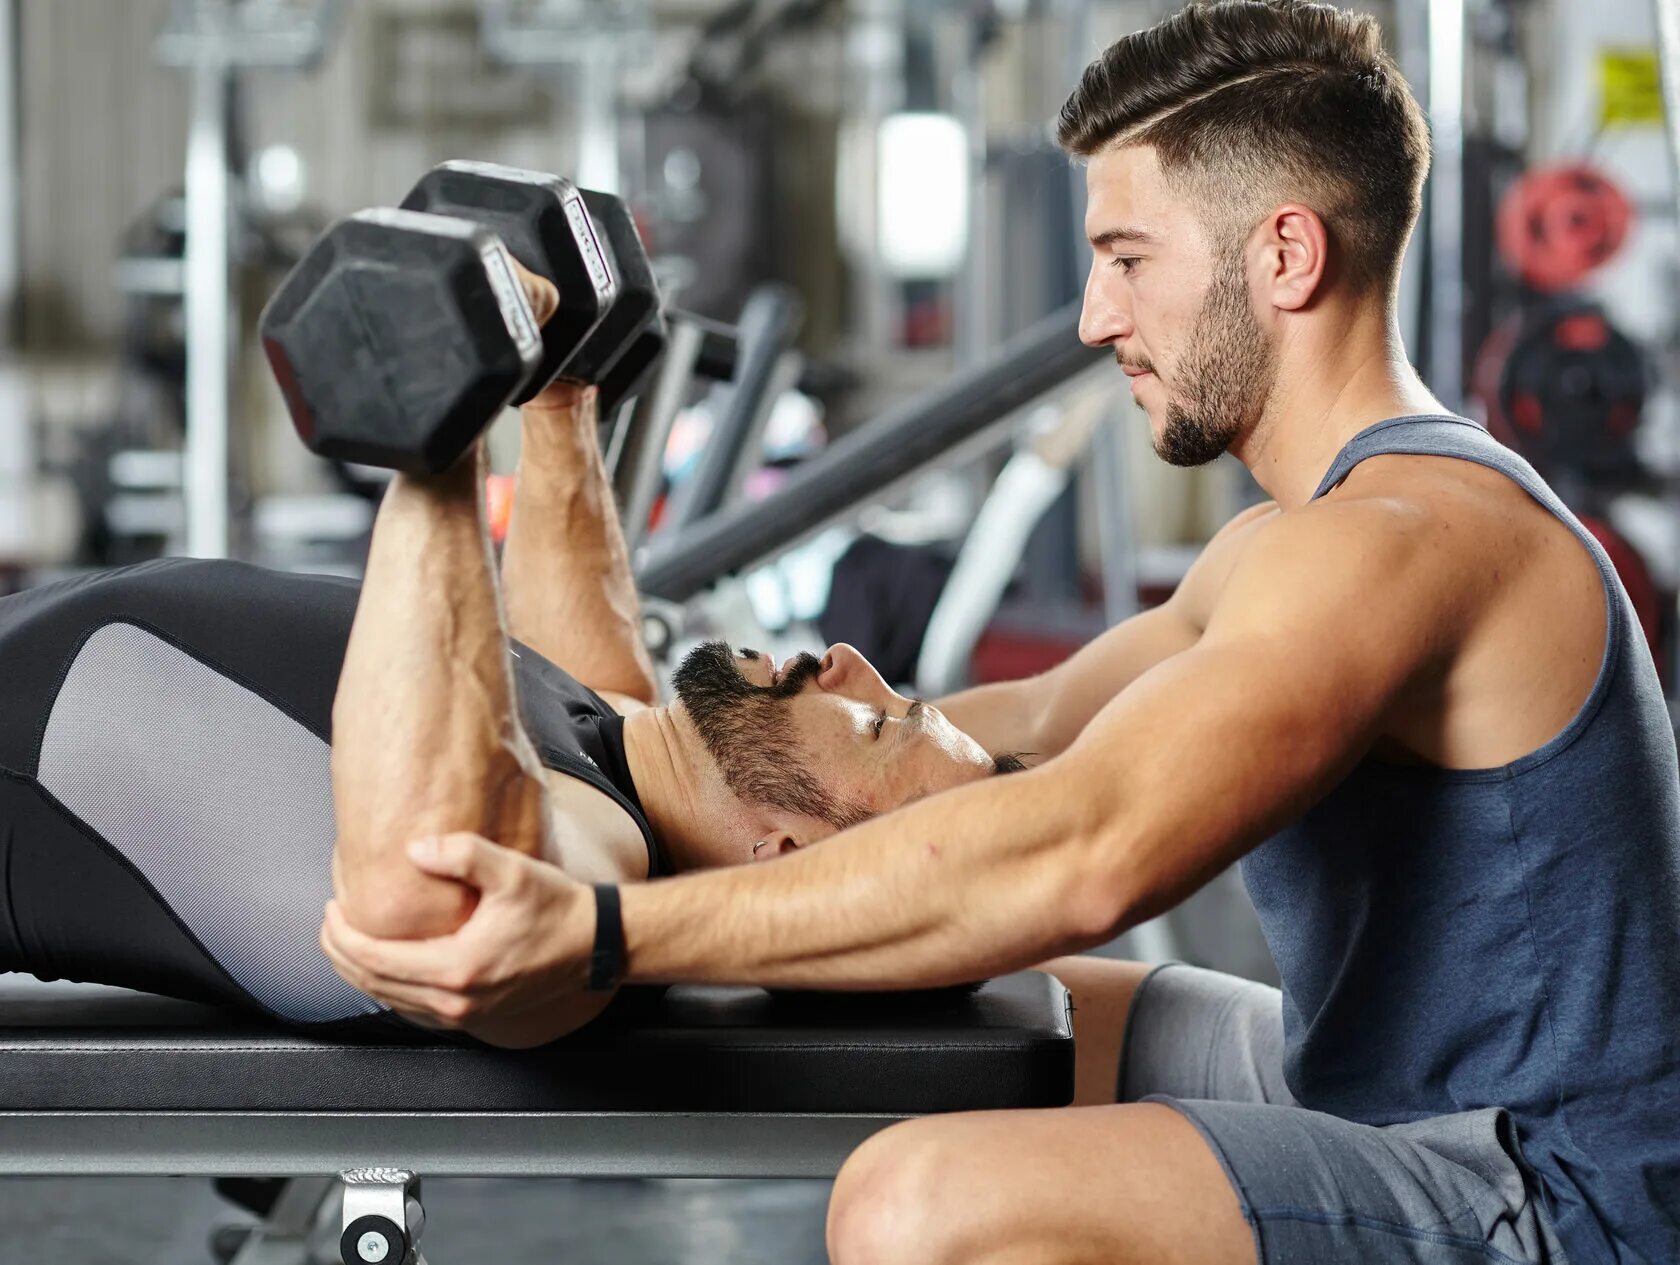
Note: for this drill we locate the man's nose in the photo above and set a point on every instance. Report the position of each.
(1102, 320)
(846, 671)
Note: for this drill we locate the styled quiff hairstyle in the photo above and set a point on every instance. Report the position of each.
(1251, 103)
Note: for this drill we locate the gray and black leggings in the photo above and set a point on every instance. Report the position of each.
(166, 808)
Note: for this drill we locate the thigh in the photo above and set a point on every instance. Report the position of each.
(1316, 1188)
(1117, 1184)
(1195, 1033)
(1174, 1029)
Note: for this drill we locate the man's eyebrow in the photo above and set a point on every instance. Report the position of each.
(1125, 233)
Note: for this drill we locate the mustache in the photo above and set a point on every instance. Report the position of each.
(1147, 366)
(804, 667)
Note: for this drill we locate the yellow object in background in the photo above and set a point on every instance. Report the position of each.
(1630, 87)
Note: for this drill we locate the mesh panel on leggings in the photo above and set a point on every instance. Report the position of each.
(219, 799)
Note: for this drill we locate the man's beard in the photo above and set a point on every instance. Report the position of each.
(748, 729)
(1224, 378)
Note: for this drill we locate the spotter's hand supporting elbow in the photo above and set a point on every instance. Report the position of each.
(526, 945)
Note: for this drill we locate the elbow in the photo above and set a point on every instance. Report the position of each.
(396, 902)
(1094, 910)
(1098, 896)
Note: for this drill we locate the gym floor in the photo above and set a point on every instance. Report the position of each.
(166, 1221)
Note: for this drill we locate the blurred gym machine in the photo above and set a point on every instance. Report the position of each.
(214, 42)
(581, 49)
(19, 433)
(708, 149)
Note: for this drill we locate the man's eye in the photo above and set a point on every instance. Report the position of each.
(1123, 262)
(880, 723)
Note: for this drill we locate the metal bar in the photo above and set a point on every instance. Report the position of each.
(720, 349)
(595, 93)
(1116, 534)
(769, 322)
(282, 1238)
(971, 290)
(789, 368)
(442, 1144)
(1446, 201)
(249, 35)
(1668, 57)
(207, 300)
(863, 466)
(1410, 32)
(11, 240)
(640, 468)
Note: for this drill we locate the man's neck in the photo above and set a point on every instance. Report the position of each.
(1327, 391)
(670, 788)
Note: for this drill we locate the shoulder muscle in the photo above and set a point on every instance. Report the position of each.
(1352, 586)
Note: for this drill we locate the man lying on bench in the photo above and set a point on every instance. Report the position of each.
(166, 807)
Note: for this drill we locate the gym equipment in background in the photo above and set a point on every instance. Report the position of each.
(1557, 224)
(1570, 392)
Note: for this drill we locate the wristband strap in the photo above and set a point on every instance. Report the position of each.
(606, 963)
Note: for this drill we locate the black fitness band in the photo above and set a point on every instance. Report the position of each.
(606, 963)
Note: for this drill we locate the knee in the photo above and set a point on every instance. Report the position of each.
(886, 1208)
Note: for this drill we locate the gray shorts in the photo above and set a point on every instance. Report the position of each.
(1314, 1187)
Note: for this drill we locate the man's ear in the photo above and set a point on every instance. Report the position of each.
(775, 845)
(1296, 254)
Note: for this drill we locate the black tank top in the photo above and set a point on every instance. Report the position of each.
(576, 732)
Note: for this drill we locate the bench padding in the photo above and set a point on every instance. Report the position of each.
(82, 1048)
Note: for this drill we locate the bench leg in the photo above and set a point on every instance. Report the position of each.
(282, 1237)
(383, 1217)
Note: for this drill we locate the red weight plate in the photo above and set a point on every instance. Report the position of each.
(1556, 224)
(1586, 331)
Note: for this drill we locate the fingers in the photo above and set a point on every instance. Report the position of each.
(471, 858)
(457, 1000)
(360, 957)
(563, 395)
(486, 967)
(539, 292)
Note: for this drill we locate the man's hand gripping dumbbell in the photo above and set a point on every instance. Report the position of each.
(396, 341)
(403, 333)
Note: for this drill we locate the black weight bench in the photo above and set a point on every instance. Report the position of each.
(703, 1082)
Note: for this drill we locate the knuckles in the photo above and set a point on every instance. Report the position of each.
(462, 979)
(457, 1010)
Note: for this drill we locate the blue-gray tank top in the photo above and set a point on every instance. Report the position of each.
(1508, 937)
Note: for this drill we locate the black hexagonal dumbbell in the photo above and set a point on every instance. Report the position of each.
(624, 351)
(398, 337)
(546, 225)
(349, 309)
(622, 348)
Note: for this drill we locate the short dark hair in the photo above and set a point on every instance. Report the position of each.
(1009, 762)
(1250, 103)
